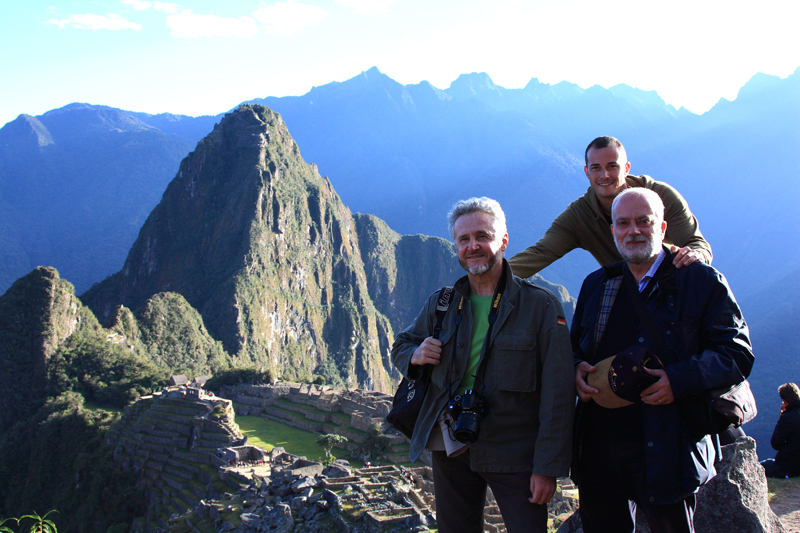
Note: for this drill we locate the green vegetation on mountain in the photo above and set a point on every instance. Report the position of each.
(56, 356)
(262, 247)
(102, 372)
(234, 376)
(37, 313)
(57, 459)
(172, 334)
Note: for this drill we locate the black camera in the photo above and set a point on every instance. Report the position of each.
(467, 410)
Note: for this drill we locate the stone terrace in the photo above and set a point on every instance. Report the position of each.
(321, 409)
(168, 441)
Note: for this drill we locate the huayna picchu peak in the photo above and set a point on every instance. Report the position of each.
(262, 246)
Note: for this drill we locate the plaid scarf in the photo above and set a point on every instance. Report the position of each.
(609, 296)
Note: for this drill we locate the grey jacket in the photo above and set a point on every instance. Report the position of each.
(529, 379)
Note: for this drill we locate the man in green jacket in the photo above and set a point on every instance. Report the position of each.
(586, 223)
(501, 396)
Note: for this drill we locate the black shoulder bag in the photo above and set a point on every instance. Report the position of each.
(712, 411)
(410, 394)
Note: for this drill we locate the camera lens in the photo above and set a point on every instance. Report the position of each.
(468, 426)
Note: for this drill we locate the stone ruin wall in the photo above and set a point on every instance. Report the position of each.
(365, 408)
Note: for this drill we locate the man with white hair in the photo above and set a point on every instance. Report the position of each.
(498, 409)
(634, 451)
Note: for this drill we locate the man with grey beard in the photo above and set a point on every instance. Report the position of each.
(499, 404)
(632, 449)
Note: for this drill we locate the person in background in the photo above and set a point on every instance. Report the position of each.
(786, 437)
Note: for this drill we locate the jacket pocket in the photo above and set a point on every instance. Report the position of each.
(513, 362)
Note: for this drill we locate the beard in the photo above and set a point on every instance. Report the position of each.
(638, 255)
(477, 270)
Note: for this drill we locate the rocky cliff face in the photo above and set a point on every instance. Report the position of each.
(257, 241)
(37, 314)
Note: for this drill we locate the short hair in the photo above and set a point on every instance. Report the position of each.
(602, 142)
(650, 195)
(482, 204)
(789, 392)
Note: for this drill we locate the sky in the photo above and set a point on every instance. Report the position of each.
(204, 57)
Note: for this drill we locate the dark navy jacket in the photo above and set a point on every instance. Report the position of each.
(702, 325)
(786, 439)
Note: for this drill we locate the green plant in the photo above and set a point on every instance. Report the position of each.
(328, 441)
(40, 523)
(6, 529)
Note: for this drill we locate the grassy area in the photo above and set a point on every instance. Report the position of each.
(268, 434)
(94, 406)
(777, 487)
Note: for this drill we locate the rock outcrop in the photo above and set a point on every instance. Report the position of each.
(734, 500)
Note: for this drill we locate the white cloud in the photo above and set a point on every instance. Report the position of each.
(138, 5)
(166, 7)
(285, 18)
(369, 7)
(96, 22)
(191, 26)
(141, 5)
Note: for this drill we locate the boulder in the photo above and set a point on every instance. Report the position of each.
(734, 500)
(305, 482)
(338, 468)
(279, 520)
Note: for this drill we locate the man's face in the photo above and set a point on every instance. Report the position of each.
(638, 232)
(606, 170)
(479, 246)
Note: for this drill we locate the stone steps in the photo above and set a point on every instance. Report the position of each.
(177, 472)
(151, 419)
(218, 437)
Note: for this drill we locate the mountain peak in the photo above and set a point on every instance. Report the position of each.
(472, 85)
(26, 132)
(262, 246)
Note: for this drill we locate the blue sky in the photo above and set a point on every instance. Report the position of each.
(204, 57)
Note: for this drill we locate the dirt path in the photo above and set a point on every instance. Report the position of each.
(788, 510)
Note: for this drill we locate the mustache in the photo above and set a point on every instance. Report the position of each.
(635, 238)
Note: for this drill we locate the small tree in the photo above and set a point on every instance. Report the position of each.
(328, 441)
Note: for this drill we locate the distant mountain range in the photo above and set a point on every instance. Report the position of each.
(77, 183)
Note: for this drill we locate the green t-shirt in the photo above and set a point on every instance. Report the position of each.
(480, 325)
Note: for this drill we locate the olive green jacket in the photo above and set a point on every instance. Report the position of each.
(529, 379)
(583, 225)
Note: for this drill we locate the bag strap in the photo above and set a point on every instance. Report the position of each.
(442, 305)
